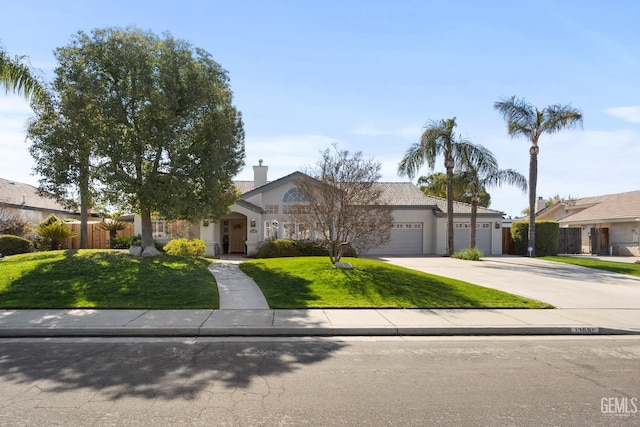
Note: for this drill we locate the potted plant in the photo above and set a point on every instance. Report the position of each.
(225, 244)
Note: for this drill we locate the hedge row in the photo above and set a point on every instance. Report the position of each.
(292, 248)
(547, 237)
(13, 245)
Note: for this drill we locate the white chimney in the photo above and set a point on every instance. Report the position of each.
(260, 174)
(540, 204)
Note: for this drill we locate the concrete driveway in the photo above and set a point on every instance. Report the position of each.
(563, 285)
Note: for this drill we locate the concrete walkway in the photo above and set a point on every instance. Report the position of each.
(236, 290)
(591, 303)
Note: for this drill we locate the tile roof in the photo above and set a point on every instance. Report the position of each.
(394, 193)
(243, 186)
(407, 194)
(618, 206)
(25, 195)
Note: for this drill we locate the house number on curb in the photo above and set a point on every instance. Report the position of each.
(585, 330)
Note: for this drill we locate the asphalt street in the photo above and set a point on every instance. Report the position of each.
(385, 381)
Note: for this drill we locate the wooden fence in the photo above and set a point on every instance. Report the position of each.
(96, 238)
(570, 240)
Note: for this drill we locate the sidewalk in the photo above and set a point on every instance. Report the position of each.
(244, 310)
(314, 322)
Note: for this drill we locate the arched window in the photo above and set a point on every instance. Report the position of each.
(294, 195)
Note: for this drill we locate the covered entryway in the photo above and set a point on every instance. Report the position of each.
(406, 239)
(237, 235)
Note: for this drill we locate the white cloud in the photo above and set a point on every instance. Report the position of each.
(630, 114)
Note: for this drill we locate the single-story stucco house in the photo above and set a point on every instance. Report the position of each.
(23, 199)
(613, 218)
(419, 221)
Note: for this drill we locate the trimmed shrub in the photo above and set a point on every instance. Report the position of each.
(547, 236)
(469, 254)
(183, 247)
(292, 248)
(54, 234)
(520, 235)
(121, 242)
(13, 245)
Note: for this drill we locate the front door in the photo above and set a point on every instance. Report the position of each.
(237, 235)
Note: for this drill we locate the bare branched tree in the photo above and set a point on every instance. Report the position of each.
(12, 222)
(342, 203)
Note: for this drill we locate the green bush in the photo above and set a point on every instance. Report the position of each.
(13, 245)
(547, 236)
(183, 247)
(293, 248)
(520, 235)
(469, 254)
(121, 242)
(54, 234)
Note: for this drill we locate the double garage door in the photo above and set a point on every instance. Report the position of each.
(406, 239)
(462, 236)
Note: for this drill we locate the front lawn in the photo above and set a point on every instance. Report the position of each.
(612, 266)
(312, 282)
(105, 279)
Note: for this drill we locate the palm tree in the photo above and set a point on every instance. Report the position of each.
(437, 139)
(481, 173)
(523, 119)
(16, 76)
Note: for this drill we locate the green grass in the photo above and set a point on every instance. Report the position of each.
(612, 266)
(105, 279)
(312, 282)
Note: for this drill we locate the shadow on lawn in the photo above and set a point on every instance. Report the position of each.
(406, 289)
(286, 292)
(151, 370)
(374, 286)
(110, 280)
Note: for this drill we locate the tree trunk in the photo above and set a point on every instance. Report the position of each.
(147, 232)
(533, 180)
(449, 166)
(84, 205)
(474, 220)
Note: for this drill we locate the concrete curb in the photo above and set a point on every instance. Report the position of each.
(256, 331)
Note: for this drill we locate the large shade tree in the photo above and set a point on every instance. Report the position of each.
(523, 119)
(439, 139)
(157, 117)
(62, 147)
(479, 173)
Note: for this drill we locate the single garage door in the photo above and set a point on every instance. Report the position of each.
(462, 236)
(406, 239)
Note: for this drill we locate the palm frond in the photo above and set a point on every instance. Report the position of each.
(558, 117)
(519, 115)
(16, 76)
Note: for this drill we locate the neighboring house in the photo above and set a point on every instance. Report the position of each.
(609, 224)
(23, 199)
(419, 221)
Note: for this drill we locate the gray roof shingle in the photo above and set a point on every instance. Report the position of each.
(24, 195)
(397, 194)
(620, 206)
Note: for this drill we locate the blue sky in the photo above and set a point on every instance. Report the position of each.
(369, 74)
